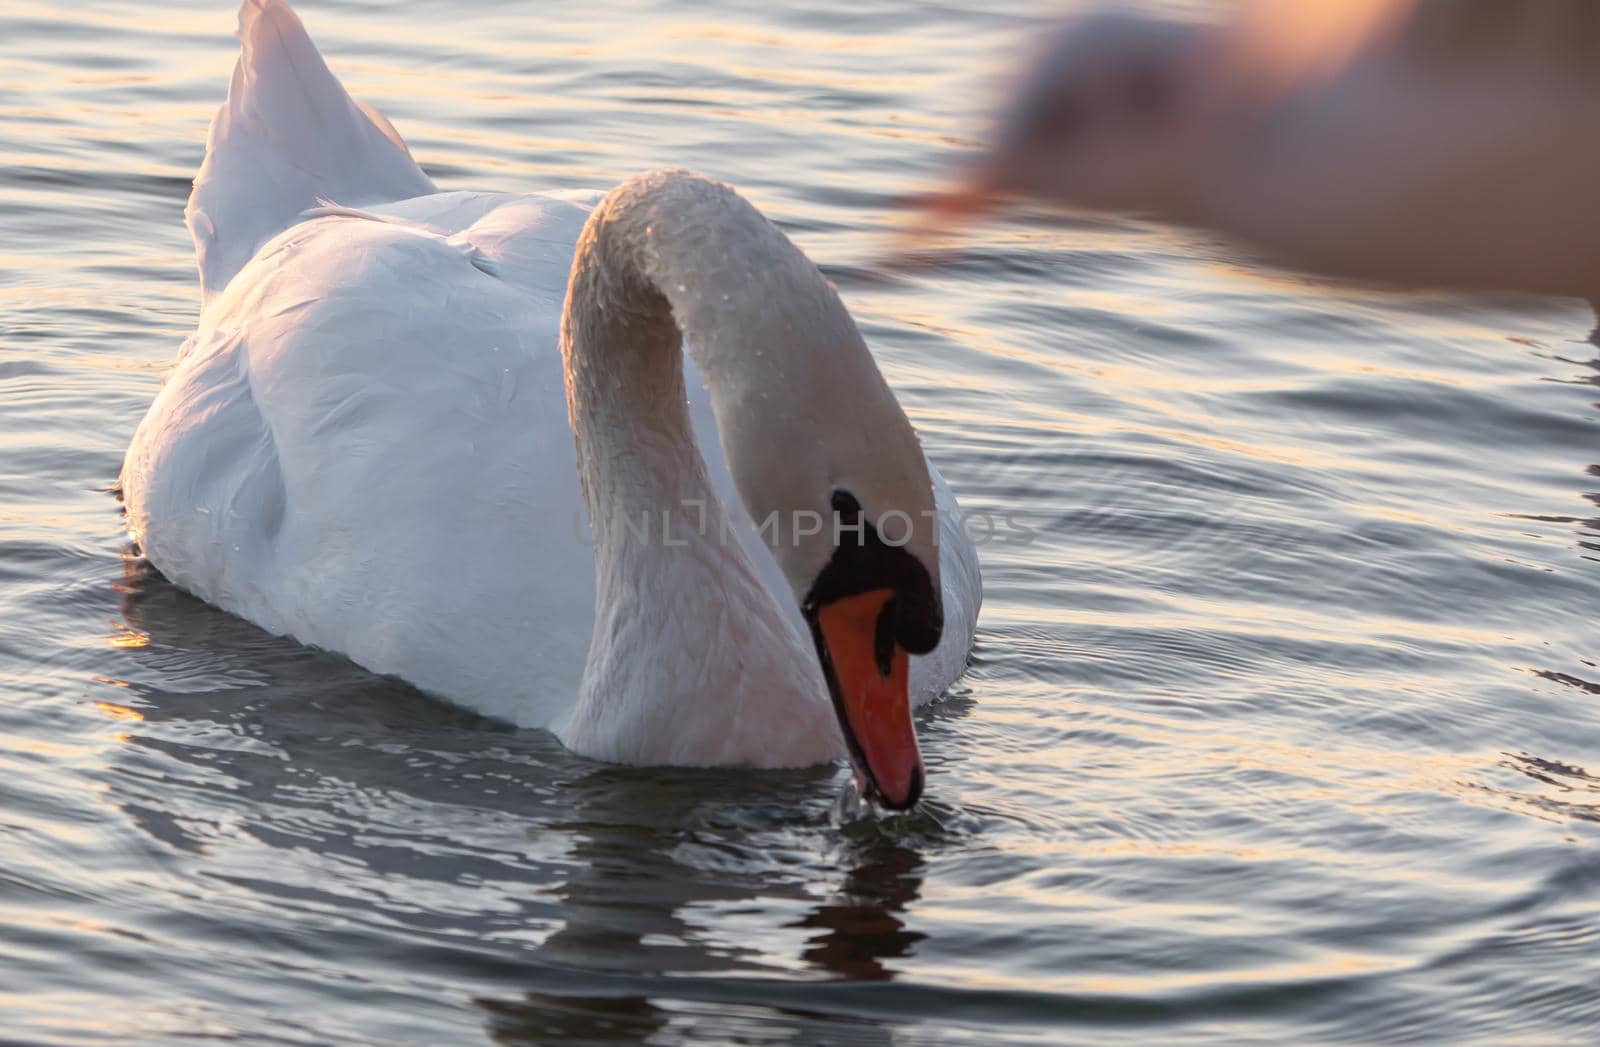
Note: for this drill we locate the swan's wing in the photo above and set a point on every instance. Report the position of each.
(366, 448)
(288, 137)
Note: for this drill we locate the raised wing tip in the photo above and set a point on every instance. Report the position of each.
(288, 136)
(253, 13)
(267, 25)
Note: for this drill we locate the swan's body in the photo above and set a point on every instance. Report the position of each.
(1420, 142)
(366, 444)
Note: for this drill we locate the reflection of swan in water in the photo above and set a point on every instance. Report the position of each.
(863, 927)
(653, 868)
(424, 838)
(632, 958)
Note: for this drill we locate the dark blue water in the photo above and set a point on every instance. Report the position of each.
(1283, 725)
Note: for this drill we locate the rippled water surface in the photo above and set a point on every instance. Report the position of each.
(1283, 728)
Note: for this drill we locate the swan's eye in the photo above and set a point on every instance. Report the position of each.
(845, 504)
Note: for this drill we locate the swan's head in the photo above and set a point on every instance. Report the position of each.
(834, 478)
(872, 603)
(825, 462)
(842, 495)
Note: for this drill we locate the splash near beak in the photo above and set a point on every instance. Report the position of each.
(867, 673)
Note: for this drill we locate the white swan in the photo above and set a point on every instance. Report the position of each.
(366, 446)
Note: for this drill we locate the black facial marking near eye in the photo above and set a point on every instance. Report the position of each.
(862, 561)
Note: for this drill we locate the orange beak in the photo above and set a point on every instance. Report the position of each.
(866, 672)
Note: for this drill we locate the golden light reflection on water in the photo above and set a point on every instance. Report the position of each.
(1331, 964)
(119, 712)
(1296, 456)
(40, 747)
(886, 43)
(1153, 983)
(1248, 617)
(127, 637)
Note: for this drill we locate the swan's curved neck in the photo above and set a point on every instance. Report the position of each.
(681, 613)
(672, 256)
(625, 394)
(622, 350)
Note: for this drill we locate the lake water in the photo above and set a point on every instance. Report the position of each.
(1283, 728)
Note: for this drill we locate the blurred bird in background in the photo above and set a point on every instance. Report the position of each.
(1442, 143)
